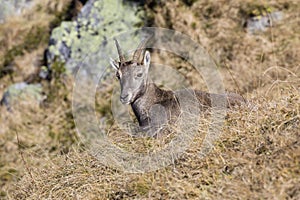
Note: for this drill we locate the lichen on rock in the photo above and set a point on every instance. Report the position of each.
(22, 93)
(72, 42)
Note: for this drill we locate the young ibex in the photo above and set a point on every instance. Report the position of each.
(146, 99)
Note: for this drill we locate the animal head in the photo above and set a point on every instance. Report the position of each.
(132, 74)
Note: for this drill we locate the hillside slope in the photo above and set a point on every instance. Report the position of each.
(256, 157)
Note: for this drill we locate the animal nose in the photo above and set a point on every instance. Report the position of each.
(124, 97)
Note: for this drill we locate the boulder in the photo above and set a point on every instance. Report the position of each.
(22, 93)
(262, 22)
(15, 7)
(77, 43)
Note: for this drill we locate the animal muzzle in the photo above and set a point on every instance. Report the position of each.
(126, 98)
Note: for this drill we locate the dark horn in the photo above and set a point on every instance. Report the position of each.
(121, 56)
(139, 50)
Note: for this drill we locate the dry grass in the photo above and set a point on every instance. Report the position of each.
(256, 157)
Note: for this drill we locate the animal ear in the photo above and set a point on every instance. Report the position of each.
(147, 60)
(114, 64)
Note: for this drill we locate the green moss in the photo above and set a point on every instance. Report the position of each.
(2, 194)
(193, 25)
(57, 69)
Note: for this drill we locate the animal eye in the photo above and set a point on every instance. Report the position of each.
(139, 75)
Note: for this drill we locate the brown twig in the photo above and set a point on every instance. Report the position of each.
(235, 82)
(23, 159)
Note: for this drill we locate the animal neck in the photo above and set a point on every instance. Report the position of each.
(144, 102)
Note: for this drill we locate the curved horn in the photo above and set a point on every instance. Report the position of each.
(121, 56)
(139, 50)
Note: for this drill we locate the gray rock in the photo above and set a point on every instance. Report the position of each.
(19, 93)
(261, 23)
(13, 7)
(77, 43)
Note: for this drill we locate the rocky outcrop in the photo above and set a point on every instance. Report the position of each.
(77, 43)
(73, 41)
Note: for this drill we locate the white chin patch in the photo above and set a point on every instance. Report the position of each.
(129, 98)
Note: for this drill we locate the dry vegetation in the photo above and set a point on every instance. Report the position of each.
(256, 157)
